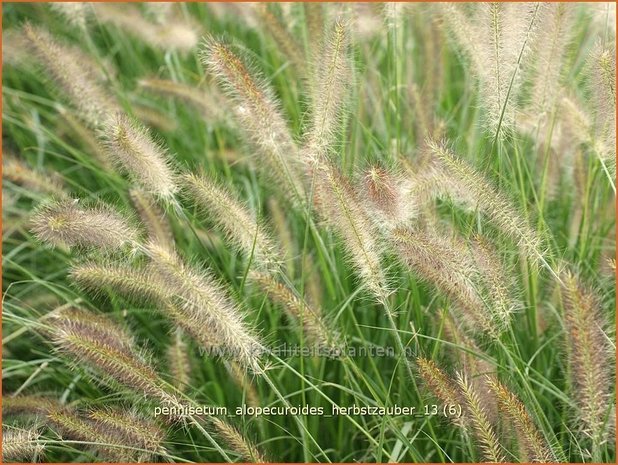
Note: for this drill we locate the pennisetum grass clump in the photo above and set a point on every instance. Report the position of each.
(589, 356)
(132, 148)
(235, 220)
(74, 81)
(259, 116)
(66, 223)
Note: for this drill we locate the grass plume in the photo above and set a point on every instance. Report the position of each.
(65, 223)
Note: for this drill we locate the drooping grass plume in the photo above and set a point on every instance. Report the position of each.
(235, 220)
(66, 223)
(91, 143)
(284, 39)
(311, 320)
(143, 437)
(241, 378)
(441, 386)
(208, 101)
(446, 264)
(90, 99)
(237, 442)
(133, 150)
(284, 234)
(171, 35)
(21, 445)
(75, 13)
(482, 428)
(154, 118)
(136, 284)
(386, 195)
(497, 279)
(153, 217)
(204, 309)
(338, 204)
(259, 116)
(589, 356)
(29, 405)
(18, 172)
(178, 360)
(333, 75)
(104, 348)
(550, 47)
(463, 183)
(602, 70)
(532, 443)
(496, 37)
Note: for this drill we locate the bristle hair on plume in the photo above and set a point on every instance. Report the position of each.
(133, 149)
(589, 356)
(21, 445)
(259, 116)
(66, 223)
(89, 98)
(203, 308)
(235, 220)
(532, 442)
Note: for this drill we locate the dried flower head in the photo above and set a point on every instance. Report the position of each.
(65, 223)
(237, 442)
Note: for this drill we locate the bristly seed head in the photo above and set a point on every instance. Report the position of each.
(65, 223)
